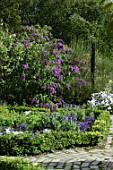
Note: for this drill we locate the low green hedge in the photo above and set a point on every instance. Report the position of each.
(17, 164)
(28, 144)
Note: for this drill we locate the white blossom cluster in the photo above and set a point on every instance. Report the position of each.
(102, 100)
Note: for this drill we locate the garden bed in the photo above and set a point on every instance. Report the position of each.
(31, 132)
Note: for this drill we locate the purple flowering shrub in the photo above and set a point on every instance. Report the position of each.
(38, 69)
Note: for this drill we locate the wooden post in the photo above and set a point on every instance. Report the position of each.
(93, 66)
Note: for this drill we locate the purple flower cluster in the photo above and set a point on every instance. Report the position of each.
(68, 86)
(57, 71)
(21, 127)
(70, 118)
(60, 61)
(37, 77)
(52, 90)
(23, 77)
(25, 67)
(84, 126)
(76, 69)
(35, 102)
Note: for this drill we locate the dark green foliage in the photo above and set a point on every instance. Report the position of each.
(10, 12)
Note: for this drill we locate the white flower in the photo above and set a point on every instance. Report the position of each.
(101, 100)
(27, 112)
(8, 130)
(16, 133)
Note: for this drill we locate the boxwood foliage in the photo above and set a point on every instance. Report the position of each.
(17, 163)
(30, 143)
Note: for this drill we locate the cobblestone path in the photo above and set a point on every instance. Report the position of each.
(79, 158)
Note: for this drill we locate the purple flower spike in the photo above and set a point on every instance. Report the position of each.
(37, 78)
(47, 106)
(44, 53)
(55, 85)
(55, 53)
(59, 46)
(53, 63)
(69, 73)
(57, 71)
(60, 61)
(23, 77)
(68, 86)
(36, 102)
(61, 41)
(61, 101)
(60, 78)
(55, 106)
(44, 87)
(52, 90)
(76, 69)
(26, 45)
(47, 38)
(35, 34)
(32, 101)
(41, 105)
(14, 45)
(63, 52)
(25, 66)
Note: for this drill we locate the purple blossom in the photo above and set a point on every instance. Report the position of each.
(34, 34)
(61, 101)
(41, 105)
(55, 53)
(60, 60)
(21, 127)
(47, 38)
(47, 106)
(55, 106)
(83, 82)
(26, 45)
(25, 66)
(69, 73)
(53, 63)
(35, 135)
(60, 78)
(14, 45)
(59, 46)
(57, 71)
(23, 77)
(44, 87)
(52, 90)
(76, 69)
(61, 41)
(55, 85)
(63, 52)
(42, 38)
(90, 119)
(84, 126)
(68, 86)
(37, 78)
(36, 102)
(32, 101)
(44, 53)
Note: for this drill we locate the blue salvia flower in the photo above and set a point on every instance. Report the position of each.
(21, 127)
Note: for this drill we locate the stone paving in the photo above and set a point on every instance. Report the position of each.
(79, 158)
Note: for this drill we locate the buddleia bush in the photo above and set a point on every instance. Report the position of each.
(36, 68)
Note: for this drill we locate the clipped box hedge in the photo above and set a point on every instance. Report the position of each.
(17, 164)
(27, 144)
